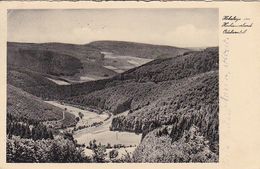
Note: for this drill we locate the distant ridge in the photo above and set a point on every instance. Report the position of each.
(142, 50)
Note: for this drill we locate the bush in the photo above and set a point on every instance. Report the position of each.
(113, 154)
(99, 154)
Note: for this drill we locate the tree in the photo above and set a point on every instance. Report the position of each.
(113, 154)
(90, 144)
(81, 115)
(99, 154)
(57, 150)
(94, 144)
(109, 145)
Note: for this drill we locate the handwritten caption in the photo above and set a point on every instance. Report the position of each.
(224, 58)
(236, 25)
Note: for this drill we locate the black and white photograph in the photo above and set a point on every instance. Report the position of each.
(112, 85)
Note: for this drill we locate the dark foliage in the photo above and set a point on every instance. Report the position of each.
(27, 129)
(191, 147)
(179, 92)
(58, 150)
(42, 61)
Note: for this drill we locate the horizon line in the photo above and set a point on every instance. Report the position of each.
(166, 45)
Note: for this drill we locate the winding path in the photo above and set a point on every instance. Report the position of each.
(100, 133)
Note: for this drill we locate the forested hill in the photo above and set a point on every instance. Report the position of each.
(138, 49)
(26, 107)
(131, 85)
(172, 101)
(63, 59)
(169, 95)
(35, 68)
(186, 65)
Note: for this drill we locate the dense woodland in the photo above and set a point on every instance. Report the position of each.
(157, 96)
(191, 147)
(27, 68)
(58, 150)
(172, 101)
(27, 128)
(21, 104)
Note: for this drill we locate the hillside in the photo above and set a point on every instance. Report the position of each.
(66, 60)
(80, 63)
(138, 49)
(47, 70)
(23, 105)
(158, 147)
(150, 78)
(169, 96)
(178, 92)
(42, 61)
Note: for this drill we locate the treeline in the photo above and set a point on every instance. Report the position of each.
(31, 141)
(191, 103)
(143, 85)
(191, 147)
(206, 119)
(38, 85)
(122, 123)
(25, 129)
(26, 106)
(58, 150)
(174, 68)
(95, 124)
(101, 155)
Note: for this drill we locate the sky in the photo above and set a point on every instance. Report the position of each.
(174, 27)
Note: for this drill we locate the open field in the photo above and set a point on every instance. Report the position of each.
(59, 82)
(121, 152)
(104, 136)
(88, 116)
(100, 133)
(121, 63)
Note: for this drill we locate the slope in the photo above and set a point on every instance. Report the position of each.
(137, 82)
(54, 70)
(177, 93)
(21, 104)
(140, 50)
(66, 60)
(81, 63)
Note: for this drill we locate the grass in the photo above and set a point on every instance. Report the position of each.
(106, 136)
(88, 118)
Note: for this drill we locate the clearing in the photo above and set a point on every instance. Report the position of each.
(100, 133)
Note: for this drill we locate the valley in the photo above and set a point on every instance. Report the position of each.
(110, 97)
(101, 133)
